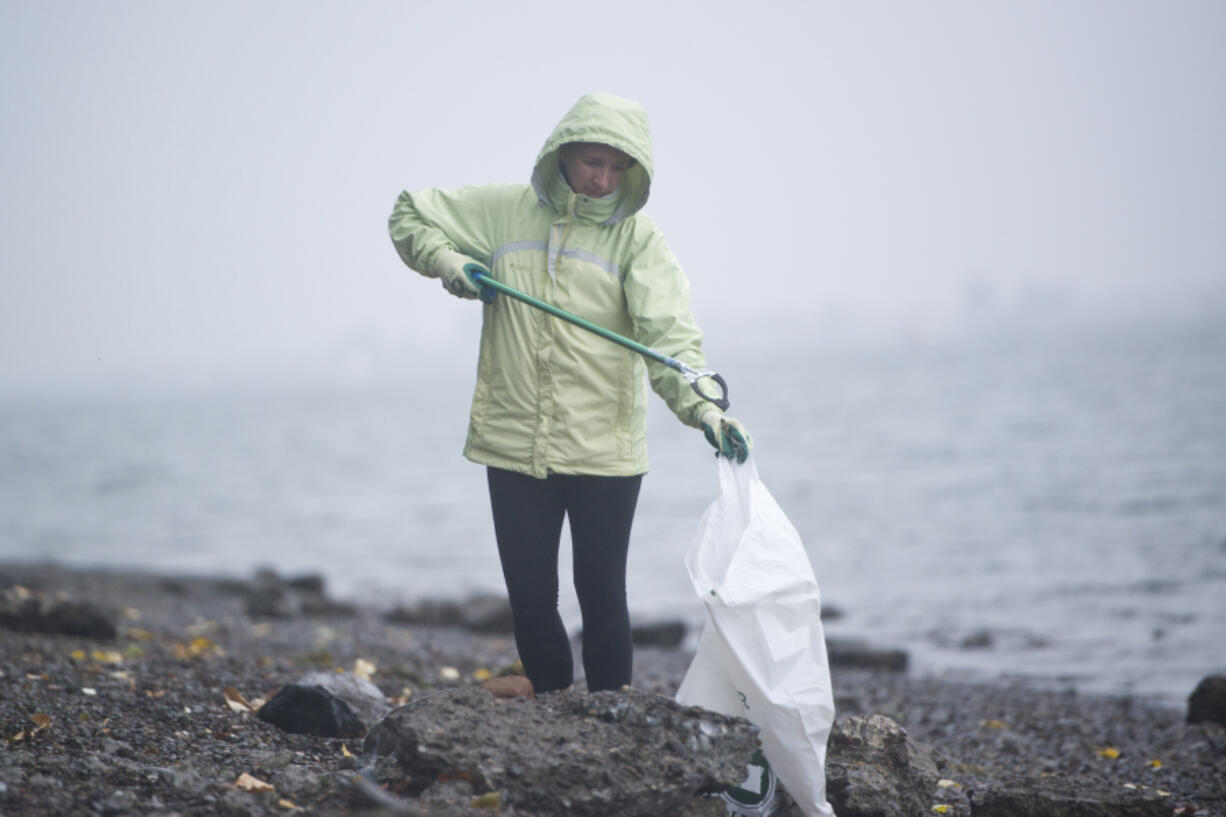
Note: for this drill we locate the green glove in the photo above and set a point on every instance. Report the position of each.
(727, 435)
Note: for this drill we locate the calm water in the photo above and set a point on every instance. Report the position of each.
(1053, 508)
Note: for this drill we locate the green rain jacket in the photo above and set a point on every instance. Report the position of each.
(550, 396)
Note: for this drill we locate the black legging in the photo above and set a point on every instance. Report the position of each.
(528, 515)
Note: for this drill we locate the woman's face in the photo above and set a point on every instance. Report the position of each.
(593, 169)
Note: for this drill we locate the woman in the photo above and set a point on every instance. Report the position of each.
(558, 414)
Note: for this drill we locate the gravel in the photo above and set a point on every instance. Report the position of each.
(144, 724)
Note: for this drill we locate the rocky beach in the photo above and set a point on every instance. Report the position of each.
(132, 693)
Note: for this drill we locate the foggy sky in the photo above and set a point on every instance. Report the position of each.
(195, 190)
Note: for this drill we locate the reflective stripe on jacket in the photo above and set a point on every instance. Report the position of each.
(551, 397)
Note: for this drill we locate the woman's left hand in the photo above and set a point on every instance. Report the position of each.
(726, 434)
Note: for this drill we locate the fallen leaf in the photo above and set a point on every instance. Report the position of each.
(363, 668)
(1156, 763)
(203, 644)
(490, 800)
(1109, 752)
(345, 751)
(107, 657)
(482, 674)
(196, 648)
(945, 784)
(941, 809)
(201, 626)
(236, 701)
(247, 782)
(40, 722)
(287, 804)
(77, 655)
(139, 634)
(996, 724)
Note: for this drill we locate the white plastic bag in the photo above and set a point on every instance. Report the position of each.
(762, 652)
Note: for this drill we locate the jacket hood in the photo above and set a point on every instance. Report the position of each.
(609, 120)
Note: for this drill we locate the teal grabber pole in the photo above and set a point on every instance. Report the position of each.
(486, 284)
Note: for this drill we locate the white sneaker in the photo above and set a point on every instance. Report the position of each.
(758, 796)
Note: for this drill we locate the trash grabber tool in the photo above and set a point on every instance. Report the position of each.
(486, 284)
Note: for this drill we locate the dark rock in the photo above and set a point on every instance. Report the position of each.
(1067, 796)
(874, 770)
(487, 613)
(173, 586)
(852, 653)
(831, 612)
(659, 634)
(270, 597)
(81, 618)
(978, 640)
(1208, 701)
(365, 700)
(309, 583)
(37, 612)
(311, 710)
(567, 754)
(313, 604)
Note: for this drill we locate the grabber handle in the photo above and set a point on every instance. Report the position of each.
(722, 400)
(488, 288)
(476, 273)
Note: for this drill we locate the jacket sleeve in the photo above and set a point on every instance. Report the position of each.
(429, 227)
(658, 299)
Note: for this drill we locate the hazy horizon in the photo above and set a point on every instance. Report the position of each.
(193, 192)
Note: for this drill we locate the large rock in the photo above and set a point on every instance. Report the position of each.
(874, 770)
(1208, 701)
(567, 754)
(1067, 796)
(38, 612)
(484, 613)
(271, 596)
(659, 633)
(364, 699)
(311, 710)
(855, 654)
